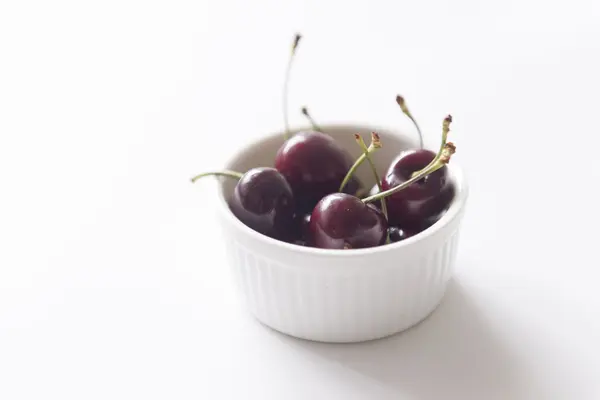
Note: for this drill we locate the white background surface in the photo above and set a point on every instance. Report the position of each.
(112, 277)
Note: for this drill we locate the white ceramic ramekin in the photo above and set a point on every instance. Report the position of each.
(341, 295)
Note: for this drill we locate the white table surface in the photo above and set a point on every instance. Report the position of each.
(113, 283)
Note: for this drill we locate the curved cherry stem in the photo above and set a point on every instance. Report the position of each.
(286, 84)
(445, 131)
(311, 120)
(225, 173)
(404, 108)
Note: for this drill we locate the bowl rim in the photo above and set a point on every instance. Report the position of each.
(458, 203)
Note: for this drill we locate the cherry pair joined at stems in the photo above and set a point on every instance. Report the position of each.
(420, 194)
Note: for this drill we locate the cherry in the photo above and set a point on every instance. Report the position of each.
(262, 200)
(343, 221)
(422, 201)
(416, 186)
(314, 165)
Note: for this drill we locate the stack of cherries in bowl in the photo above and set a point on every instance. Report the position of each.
(311, 196)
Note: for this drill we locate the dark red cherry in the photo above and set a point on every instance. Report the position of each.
(263, 200)
(423, 201)
(343, 221)
(315, 166)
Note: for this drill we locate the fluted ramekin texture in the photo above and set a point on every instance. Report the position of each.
(342, 295)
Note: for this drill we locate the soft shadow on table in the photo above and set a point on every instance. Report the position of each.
(453, 354)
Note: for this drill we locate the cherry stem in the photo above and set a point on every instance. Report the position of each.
(226, 173)
(311, 120)
(404, 108)
(286, 84)
(440, 160)
(357, 164)
(376, 144)
(445, 131)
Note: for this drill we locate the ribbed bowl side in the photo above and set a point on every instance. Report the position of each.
(337, 305)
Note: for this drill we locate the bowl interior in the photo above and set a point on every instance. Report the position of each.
(262, 153)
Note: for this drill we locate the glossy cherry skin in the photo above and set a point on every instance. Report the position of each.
(396, 234)
(305, 228)
(343, 221)
(263, 200)
(424, 201)
(301, 229)
(315, 166)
